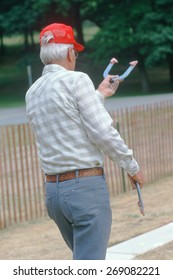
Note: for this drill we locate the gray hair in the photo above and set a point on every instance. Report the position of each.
(50, 52)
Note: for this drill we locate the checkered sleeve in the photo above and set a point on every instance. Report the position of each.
(99, 126)
(101, 97)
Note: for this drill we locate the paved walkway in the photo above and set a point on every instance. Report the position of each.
(141, 244)
(18, 115)
(131, 101)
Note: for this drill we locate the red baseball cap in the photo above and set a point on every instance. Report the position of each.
(63, 34)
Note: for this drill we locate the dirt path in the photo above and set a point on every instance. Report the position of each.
(41, 239)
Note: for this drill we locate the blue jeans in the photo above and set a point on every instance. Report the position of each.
(81, 210)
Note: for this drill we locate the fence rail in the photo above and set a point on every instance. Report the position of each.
(148, 130)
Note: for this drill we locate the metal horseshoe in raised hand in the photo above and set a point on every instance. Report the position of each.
(124, 75)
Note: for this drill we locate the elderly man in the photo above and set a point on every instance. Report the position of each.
(72, 131)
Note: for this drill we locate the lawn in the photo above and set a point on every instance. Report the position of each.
(13, 75)
(14, 78)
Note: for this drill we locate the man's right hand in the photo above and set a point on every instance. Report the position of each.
(137, 178)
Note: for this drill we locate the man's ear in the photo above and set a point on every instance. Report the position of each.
(70, 54)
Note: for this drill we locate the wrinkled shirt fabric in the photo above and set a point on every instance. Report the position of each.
(72, 128)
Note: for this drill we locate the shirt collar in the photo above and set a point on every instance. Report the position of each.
(52, 68)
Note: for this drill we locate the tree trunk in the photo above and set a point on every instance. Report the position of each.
(2, 48)
(32, 39)
(170, 63)
(26, 41)
(78, 22)
(145, 83)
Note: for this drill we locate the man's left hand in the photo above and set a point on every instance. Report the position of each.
(107, 88)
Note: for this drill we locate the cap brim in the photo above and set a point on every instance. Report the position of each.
(78, 47)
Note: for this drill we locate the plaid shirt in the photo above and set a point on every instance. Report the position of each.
(71, 126)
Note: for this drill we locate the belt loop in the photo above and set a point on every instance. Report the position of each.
(77, 176)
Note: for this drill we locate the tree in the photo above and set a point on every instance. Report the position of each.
(4, 8)
(145, 31)
(29, 15)
(2, 48)
(17, 16)
(21, 19)
(121, 34)
(67, 11)
(158, 40)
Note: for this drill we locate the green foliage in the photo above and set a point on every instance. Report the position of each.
(146, 28)
(158, 39)
(135, 29)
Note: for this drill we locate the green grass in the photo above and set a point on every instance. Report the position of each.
(14, 80)
(13, 75)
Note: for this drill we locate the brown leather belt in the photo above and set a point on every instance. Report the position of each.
(96, 171)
